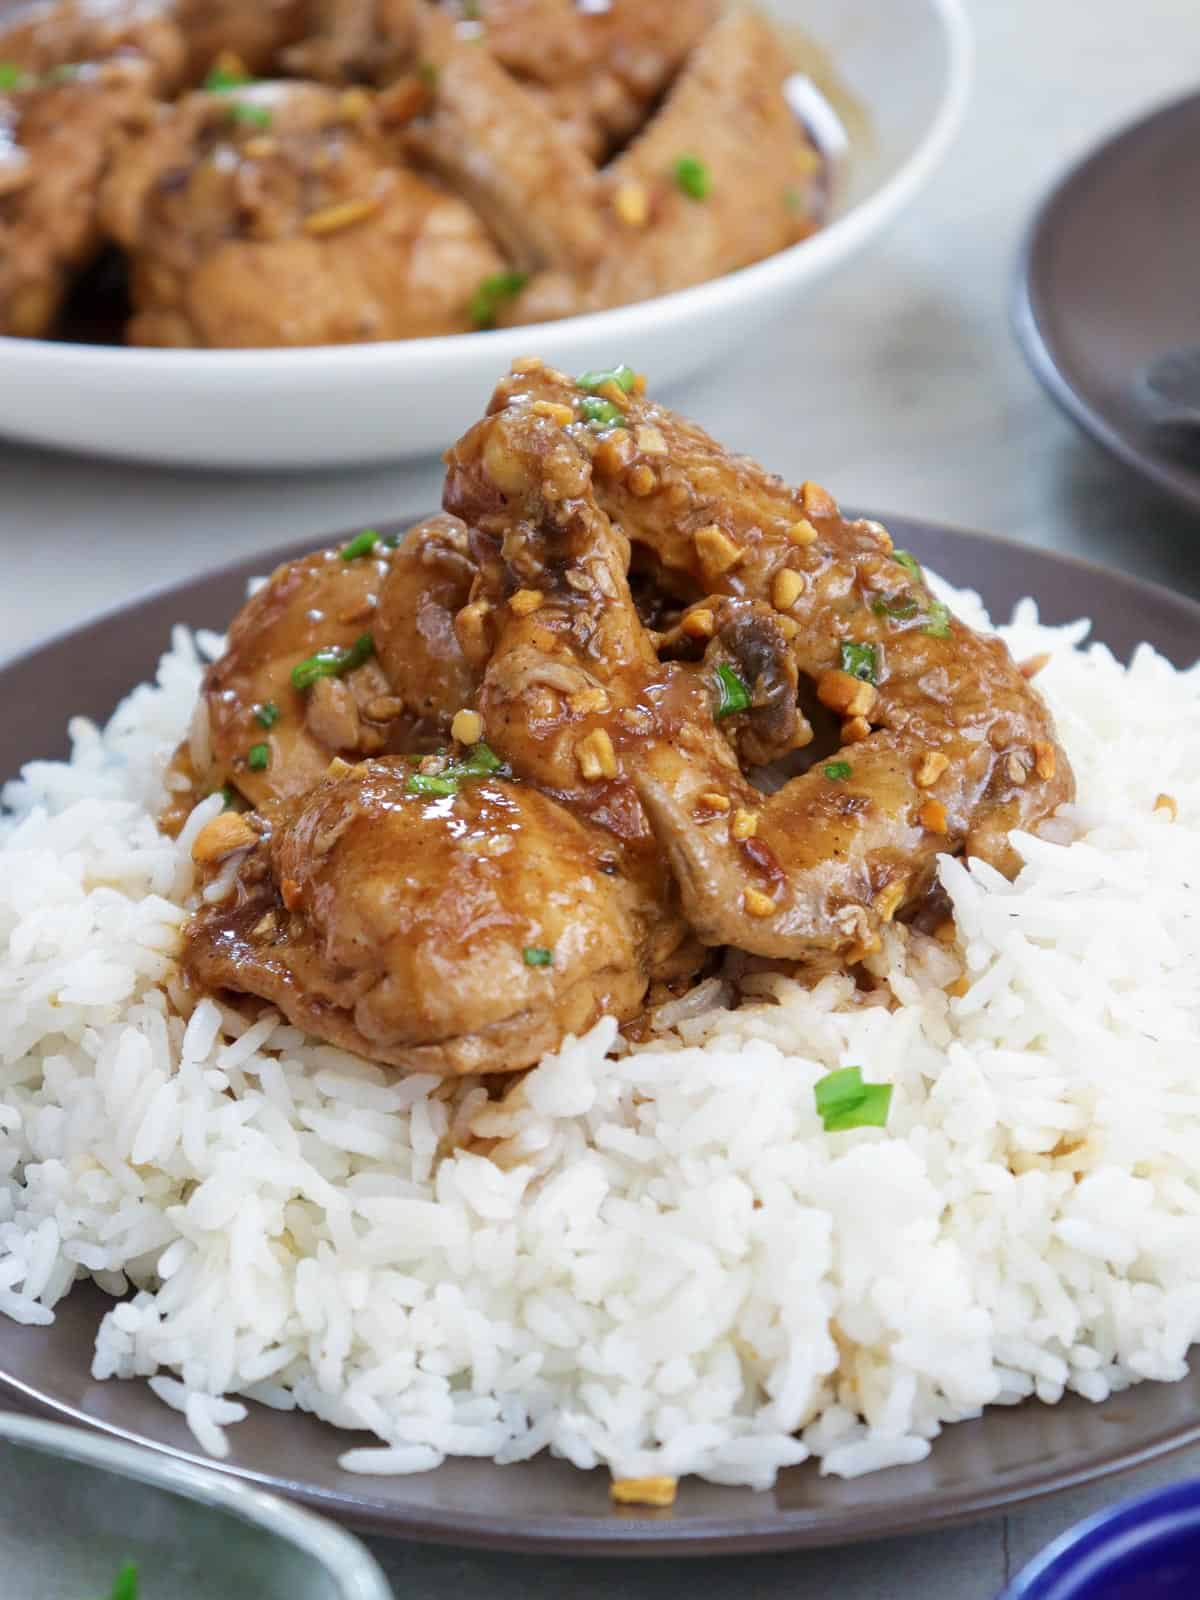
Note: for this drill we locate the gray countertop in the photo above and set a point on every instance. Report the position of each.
(899, 387)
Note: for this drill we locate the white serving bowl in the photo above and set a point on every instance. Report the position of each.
(907, 62)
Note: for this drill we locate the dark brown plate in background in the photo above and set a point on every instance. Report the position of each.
(1109, 278)
(1007, 1456)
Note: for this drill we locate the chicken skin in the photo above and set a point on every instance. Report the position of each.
(428, 583)
(589, 811)
(357, 41)
(309, 665)
(57, 135)
(253, 35)
(52, 35)
(456, 933)
(598, 70)
(277, 214)
(720, 177)
(494, 144)
(945, 747)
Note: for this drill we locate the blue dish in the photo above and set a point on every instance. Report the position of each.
(1143, 1549)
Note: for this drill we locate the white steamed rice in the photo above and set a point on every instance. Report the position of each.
(664, 1265)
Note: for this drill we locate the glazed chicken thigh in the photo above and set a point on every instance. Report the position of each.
(597, 69)
(278, 214)
(721, 176)
(56, 140)
(946, 746)
(496, 795)
(454, 933)
(52, 36)
(310, 662)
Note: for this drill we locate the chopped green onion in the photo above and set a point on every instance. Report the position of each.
(11, 75)
(220, 78)
(431, 783)
(938, 625)
(870, 1112)
(910, 564)
(839, 1089)
(600, 414)
(479, 761)
(860, 661)
(251, 116)
(844, 1101)
(471, 11)
(536, 955)
(899, 607)
(793, 199)
(624, 377)
(837, 771)
(258, 757)
(428, 73)
(229, 795)
(734, 694)
(693, 177)
(332, 663)
(65, 72)
(362, 545)
(267, 714)
(125, 1584)
(492, 294)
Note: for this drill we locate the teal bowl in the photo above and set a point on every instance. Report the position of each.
(75, 1507)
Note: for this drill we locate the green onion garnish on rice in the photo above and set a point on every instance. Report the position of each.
(844, 1101)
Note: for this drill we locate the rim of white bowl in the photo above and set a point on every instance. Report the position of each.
(703, 300)
(343, 1557)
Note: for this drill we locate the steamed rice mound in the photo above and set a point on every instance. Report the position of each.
(651, 1258)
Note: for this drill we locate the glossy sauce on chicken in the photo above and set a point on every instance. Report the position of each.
(456, 933)
(494, 795)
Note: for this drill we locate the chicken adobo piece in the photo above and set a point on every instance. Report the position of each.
(276, 214)
(330, 171)
(56, 139)
(493, 778)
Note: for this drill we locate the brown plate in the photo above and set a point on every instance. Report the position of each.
(1108, 279)
(1005, 1457)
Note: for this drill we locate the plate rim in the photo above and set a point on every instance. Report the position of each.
(1030, 332)
(634, 1534)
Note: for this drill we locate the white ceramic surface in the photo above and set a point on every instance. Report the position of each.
(79, 1505)
(906, 61)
